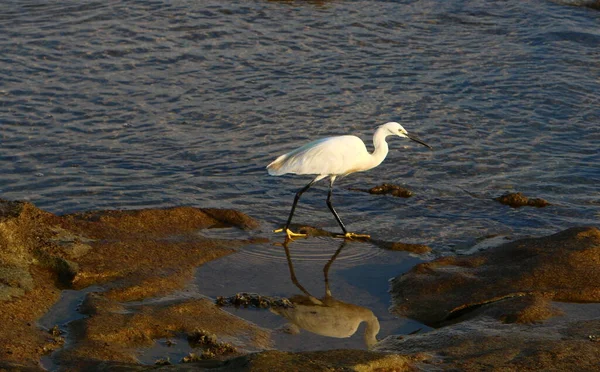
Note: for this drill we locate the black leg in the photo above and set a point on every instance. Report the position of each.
(296, 198)
(338, 219)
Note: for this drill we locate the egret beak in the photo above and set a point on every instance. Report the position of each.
(418, 140)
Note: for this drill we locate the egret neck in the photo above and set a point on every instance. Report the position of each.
(381, 147)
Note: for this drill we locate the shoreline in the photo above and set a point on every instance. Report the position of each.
(150, 253)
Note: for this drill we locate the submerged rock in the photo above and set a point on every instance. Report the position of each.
(517, 200)
(399, 246)
(594, 4)
(386, 188)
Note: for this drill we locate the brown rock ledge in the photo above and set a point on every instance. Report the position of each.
(560, 267)
(532, 304)
(132, 254)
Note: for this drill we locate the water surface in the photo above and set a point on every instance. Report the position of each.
(155, 104)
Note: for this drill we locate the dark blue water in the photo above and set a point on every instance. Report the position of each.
(128, 105)
(151, 104)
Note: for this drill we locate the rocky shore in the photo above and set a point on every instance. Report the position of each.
(527, 305)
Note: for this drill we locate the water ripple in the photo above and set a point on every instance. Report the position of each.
(121, 105)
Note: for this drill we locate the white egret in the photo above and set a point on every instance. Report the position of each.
(335, 157)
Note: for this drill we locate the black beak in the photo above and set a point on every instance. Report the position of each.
(418, 140)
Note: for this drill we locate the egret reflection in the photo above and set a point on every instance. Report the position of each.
(326, 316)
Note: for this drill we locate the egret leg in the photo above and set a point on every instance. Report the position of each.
(330, 205)
(347, 234)
(287, 230)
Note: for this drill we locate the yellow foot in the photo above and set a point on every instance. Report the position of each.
(290, 233)
(356, 236)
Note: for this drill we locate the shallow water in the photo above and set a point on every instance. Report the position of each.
(357, 275)
(120, 105)
(150, 104)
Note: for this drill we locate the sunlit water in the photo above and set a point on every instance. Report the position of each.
(114, 104)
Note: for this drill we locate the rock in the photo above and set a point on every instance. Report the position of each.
(8, 292)
(14, 282)
(267, 361)
(113, 332)
(560, 267)
(498, 309)
(386, 188)
(331, 360)
(22, 231)
(147, 252)
(21, 341)
(154, 222)
(133, 254)
(392, 246)
(27, 290)
(593, 4)
(517, 200)
(73, 246)
(484, 343)
(253, 300)
(399, 246)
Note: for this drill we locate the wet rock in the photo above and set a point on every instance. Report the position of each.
(11, 366)
(21, 341)
(393, 246)
(154, 222)
(95, 303)
(560, 267)
(331, 360)
(593, 4)
(498, 309)
(113, 332)
(267, 361)
(517, 200)
(163, 362)
(27, 289)
(73, 246)
(14, 282)
(211, 347)
(387, 189)
(147, 253)
(399, 246)
(133, 254)
(64, 269)
(484, 343)
(253, 300)
(21, 232)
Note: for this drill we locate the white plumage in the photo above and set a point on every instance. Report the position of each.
(327, 156)
(333, 157)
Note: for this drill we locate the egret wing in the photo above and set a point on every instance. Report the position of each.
(328, 156)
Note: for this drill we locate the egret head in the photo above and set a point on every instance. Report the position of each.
(396, 129)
